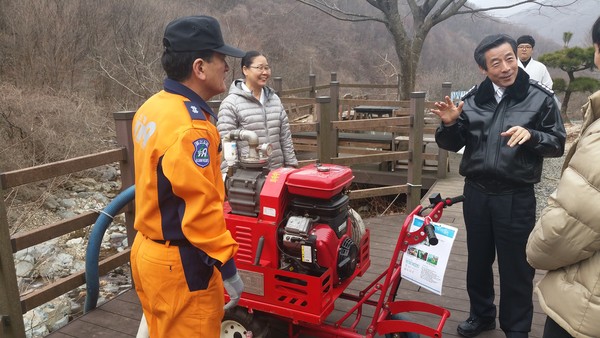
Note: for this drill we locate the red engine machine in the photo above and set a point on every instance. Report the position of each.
(300, 243)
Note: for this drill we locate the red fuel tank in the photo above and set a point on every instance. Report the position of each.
(319, 180)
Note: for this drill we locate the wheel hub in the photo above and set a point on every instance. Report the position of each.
(232, 329)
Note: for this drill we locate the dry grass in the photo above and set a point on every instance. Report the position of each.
(377, 206)
(37, 128)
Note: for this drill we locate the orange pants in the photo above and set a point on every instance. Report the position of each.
(170, 308)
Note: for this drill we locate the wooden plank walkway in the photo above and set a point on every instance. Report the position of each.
(119, 317)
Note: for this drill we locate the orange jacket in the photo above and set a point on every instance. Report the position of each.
(179, 189)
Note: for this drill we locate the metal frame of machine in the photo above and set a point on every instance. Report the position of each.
(301, 245)
(305, 297)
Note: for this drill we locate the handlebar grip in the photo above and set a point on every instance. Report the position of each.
(453, 200)
(430, 232)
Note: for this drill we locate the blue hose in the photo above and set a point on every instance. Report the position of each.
(92, 254)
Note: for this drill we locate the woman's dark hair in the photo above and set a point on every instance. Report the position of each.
(596, 32)
(249, 57)
(178, 65)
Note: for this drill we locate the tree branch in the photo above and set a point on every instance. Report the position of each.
(472, 10)
(333, 11)
(110, 76)
(444, 13)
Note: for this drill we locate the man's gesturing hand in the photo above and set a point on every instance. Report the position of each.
(518, 135)
(447, 111)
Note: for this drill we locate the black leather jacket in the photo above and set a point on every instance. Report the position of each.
(487, 156)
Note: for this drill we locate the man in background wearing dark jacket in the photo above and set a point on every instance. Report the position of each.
(507, 125)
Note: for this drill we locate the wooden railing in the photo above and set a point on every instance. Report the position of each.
(328, 150)
(408, 125)
(12, 304)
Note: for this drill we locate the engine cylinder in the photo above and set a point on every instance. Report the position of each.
(243, 191)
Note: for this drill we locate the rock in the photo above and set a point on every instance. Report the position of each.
(68, 203)
(45, 249)
(48, 317)
(51, 203)
(75, 242)
(65, 214)
(117, 236)
(56, 266)
(24, 268)
(109, 174)
(34, 323)
(101, 198)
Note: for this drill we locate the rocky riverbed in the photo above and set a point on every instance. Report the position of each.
(63, 256)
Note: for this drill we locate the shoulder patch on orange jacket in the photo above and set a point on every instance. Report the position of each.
(195, 111)
(201, 154)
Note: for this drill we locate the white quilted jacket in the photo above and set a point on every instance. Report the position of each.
(241, 110)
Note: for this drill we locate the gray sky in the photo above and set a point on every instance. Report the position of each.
(551, 23)
(494, 3)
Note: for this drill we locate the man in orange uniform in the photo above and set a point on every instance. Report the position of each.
(182, 256)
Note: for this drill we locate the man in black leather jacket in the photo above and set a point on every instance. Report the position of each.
(507, 125)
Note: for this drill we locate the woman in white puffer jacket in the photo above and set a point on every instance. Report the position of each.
(566, 238)
(252, 105)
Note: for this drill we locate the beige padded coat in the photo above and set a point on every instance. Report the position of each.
(566, 238)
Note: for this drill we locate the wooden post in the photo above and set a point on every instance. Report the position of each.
(327, 137)
(123, 120)
(446, 89)
(214, 105)
(11, 314)
(442, 157)
(312, 83)
(334, 93)
(277, 84)
(333, 76)
(415, 147)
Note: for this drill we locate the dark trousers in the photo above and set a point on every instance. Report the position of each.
(553, 330)
(500, 223)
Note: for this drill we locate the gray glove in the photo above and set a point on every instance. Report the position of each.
(234, 287)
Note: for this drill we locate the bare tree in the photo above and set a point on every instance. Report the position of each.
(410, 31)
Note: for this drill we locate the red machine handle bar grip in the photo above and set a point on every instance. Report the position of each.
(436, 214)
(454, 200)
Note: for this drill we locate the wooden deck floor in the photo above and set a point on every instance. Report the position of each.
(119, 318)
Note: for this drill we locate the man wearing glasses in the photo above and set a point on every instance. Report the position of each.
(535, 69)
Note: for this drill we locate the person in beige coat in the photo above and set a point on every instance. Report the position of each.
(566, 238)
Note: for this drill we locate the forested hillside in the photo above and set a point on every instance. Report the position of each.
(65, 66)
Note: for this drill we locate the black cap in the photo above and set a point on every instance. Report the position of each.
(526, 39)
(196, 33)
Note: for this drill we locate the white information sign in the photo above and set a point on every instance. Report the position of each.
(425, 264)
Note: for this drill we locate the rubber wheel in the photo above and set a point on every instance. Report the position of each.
(238, 321)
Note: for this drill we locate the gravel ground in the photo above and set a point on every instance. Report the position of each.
(550, 177)
(552, 169)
